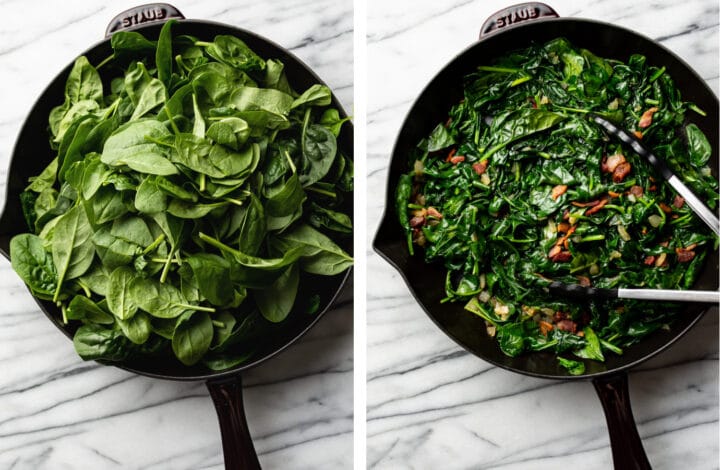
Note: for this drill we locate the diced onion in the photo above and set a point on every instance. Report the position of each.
(623, 233)
(655, 220)
(552, 228)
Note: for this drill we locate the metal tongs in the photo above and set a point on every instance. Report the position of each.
(580, 292)
(695, 204)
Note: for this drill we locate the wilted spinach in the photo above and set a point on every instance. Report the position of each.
(174, 219)
(517, 188)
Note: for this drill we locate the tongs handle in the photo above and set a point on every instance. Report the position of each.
(580, 293)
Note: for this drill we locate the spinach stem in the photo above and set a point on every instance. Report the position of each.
(197, 308)
(172, 121)
(64, 314)
(219, 324)
(657, 74)
(290, 162)
(85, 289)
(105, 61)
(202, 182)
(203, 43)
(154, 244)
(694, 107)
(490, 68)
(520, 80)
(574, 110)
(620, 209)
(164, 260)
(322, 191)
(237, 202)
(166, 268)
(592, 238)
(217, 243)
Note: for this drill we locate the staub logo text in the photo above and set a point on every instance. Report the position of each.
(517, 16)
(143, 16)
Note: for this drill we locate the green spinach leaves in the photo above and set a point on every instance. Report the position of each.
(517, 188)
(187, 202)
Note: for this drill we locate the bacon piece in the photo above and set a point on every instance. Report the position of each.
(638, 134)
(432, 212)
(561, 257)
(566, 214)
(636, 190)
(545, 327)
(480, 167)
(613, 194)
(620, 172)
(679, 201)
(665, 208)
(609, 164)
(563, 240)
(563, 227)
(567, 325)
(554, 251)
(420, 212)
(646, 118)
(650, 260)
(684, 255)
(558, 191)
(457, 159)
(584, 281)
(451, 154)
(557, 316)
(417, 222)
(596, 208)
(586, 204)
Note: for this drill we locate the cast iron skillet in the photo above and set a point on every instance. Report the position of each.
(505, 31)
(32, 153)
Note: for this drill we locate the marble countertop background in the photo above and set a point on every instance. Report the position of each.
(433, 405)
(58, 412)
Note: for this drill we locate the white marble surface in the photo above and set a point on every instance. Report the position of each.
(58, 412)
(431, 404)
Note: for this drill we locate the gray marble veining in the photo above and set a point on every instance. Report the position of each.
(433, 405)
(57, 411)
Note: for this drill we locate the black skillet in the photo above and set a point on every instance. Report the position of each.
(509, 29)
(32, 153)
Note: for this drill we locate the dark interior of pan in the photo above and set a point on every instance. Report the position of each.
(427, 281)
(32, 153)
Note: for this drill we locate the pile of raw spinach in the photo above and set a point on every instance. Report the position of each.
(516, 189)
(186, 201)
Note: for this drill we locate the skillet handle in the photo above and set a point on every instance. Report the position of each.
(139, 15)
(238, 447)
(627, 448)
(513, 15)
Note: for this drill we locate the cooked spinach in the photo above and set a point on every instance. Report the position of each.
(174, 219)
(516, 188)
